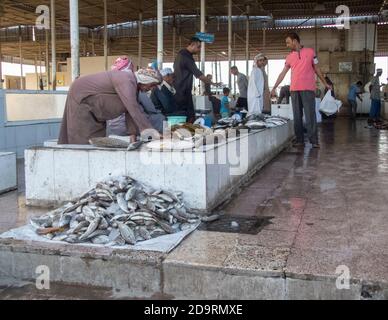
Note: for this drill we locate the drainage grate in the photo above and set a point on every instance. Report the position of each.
(237, 224)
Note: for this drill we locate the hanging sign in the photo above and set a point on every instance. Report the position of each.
(205, 37)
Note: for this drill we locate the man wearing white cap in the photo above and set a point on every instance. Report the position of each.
(256, 86)
(375, 96)
(163, 95)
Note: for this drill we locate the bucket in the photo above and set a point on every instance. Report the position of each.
(176, 120)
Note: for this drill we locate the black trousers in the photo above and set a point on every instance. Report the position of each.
(185, 106)
(242, 103)
(303, 102)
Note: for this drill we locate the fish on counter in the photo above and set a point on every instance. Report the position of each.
(109, 142)
(118, 212)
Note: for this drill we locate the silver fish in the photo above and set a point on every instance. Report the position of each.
(157, 233)
(166, 227)
(122, 203)
(72, 239)
(103, 224)
(132, 205)
(41, 222)
(119, 241)
(97, 233)
(81, 225)
(102, 239)
(88, 212)
(150, 205)
(211, 218)
(91, 228)
(127, 234)
(60, 237)
(113, 209)
(144, 233)
(130, 193)
(64, 221)
(134, 145)
(165, 197)
(185, 226)
(122, 217)
(114, 234)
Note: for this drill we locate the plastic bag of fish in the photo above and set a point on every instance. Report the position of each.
(118, 212)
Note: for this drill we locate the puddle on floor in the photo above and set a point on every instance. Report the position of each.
(237, 224)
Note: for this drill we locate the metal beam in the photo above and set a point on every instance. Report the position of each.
(203, 49)
(74, 32)
(160, 34)
(230, 41)
(140, 52)
(53, 46)
(247, 41)
(106, 35)
(47, 59)
(1, 69)
(21, 59)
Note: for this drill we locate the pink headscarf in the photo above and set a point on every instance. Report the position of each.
(123, 64)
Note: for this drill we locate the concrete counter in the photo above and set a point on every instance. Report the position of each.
(207, 177)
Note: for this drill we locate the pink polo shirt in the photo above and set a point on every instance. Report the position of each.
(302, 69)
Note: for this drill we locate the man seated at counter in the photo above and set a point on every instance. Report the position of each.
(163, 95)
(118, 126)
(94, 99)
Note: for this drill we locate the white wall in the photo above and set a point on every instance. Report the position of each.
(13, 69)
(382, 62)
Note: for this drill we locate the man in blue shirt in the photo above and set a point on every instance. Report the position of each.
(354, 93)
(225, 103)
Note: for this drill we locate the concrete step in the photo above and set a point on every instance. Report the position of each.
(201, 268)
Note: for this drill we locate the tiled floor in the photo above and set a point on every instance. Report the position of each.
(328, 207)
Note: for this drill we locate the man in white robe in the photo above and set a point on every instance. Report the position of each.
(256, 86)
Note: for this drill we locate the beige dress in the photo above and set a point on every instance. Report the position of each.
(266, 94)
(94, 99)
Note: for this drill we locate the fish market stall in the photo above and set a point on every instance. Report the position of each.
(7, 171)
(206, 175)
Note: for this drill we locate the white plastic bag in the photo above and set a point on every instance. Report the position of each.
(329, 105)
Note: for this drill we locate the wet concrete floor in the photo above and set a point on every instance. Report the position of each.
(326, 207)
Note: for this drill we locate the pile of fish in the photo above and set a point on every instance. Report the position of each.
(257, 122)
(118, 212)
(196, 134)
(252, 122)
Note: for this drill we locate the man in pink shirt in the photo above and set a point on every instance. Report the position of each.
(304, 66)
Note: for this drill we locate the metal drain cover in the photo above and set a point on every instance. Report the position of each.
(237, 224)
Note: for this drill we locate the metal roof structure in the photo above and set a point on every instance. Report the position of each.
(17, 12)
(17, 20)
